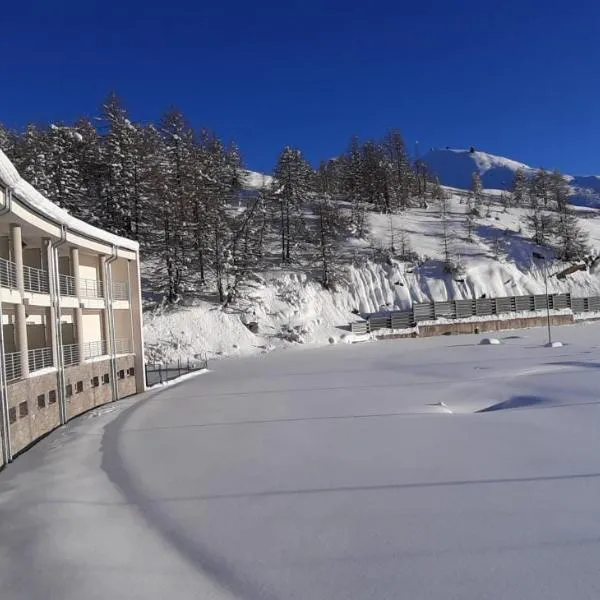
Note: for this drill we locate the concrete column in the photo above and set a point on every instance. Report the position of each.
(103, 276)
(17, 251)
(21, 331)
(20, 318)
(74, 255)
(135, 306)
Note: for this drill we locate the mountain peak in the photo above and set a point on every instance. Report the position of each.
(455, 167)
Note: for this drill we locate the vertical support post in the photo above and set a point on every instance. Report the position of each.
(17, 251)
(4, 422)
(547, 300)
(74, 256)
(135, 306)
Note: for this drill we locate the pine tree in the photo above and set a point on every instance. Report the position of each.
(401, 173)
(294, 179)
(539, 187)
(476, 195)
(520, 188)
(353, 186)
(330, 225)
(558, 191)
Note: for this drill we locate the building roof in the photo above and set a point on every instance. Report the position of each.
(28, 195)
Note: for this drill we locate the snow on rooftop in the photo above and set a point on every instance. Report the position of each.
(10, 177)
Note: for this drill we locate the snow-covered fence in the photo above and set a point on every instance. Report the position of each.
(163, 372)
(479, 307)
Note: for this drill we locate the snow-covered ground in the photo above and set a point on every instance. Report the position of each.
(429, 468)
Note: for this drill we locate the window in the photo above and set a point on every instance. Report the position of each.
(79, 387)
(23, 410)
(52, 397)
(95, 382)
(42, 401)
(69, 390)
(12, 415)
(122, 374)
(105, 378)
(131, 371)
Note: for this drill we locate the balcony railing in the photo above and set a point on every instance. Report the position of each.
(13, 365)
(123, 347)
(93, 349)
(67, 285)
(8, 273)
(40, 358)
(92, 288)
(70, 354)
(35, 280)
(120, 290)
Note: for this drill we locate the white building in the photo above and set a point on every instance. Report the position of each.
(71, 335)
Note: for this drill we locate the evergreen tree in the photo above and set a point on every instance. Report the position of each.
(294, 180)
(520, 188)
(476, 195)
(539, 187)
(330, 225)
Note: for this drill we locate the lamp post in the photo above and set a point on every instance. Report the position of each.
(545, 259)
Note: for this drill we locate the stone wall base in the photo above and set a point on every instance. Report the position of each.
(460, 327)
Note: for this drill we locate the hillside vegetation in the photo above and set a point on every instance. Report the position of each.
(236, 261)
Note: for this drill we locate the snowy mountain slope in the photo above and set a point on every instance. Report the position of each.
(454, 167)
(290, 306)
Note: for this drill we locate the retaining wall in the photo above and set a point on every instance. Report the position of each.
(458, 327)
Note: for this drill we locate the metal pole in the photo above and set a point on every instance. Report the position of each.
(547, 300)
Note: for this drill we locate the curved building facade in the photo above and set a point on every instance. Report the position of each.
(71, 335)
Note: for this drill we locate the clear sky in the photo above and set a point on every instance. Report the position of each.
(515, 78)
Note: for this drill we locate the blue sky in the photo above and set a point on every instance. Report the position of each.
(519, 79)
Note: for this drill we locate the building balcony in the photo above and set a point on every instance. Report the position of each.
(8, 273)
(40, 358)
(70, 354)
(12, 361)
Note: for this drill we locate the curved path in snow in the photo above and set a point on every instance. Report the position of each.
(347, 472)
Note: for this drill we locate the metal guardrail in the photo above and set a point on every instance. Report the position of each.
(35, 280)
(479, 307)
(91, 288)
(70, 354)
(8, 273)
(163, 372)
(40, 358)
(12, 360)
(120, 290)
(94, 349)
(67, 285)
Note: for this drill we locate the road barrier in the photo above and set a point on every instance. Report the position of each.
(477, 307)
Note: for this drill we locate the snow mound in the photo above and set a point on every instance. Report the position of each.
(489, 342)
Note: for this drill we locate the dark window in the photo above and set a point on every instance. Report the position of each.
(69, 390)
(105, 378)
(52, 397)
(12, 415)
(122, 374)
(23, 409)
(79, 387)
(95, 382)
(42, 401)
(131, 371)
